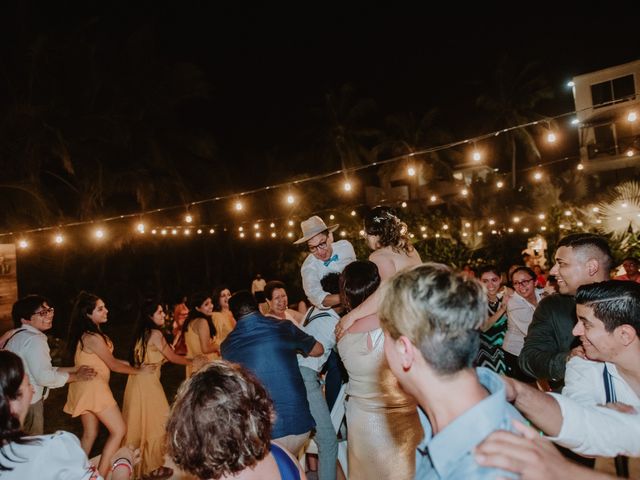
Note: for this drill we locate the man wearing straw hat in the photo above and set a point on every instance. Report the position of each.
(326, 256)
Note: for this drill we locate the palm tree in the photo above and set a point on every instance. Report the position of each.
(511, 101)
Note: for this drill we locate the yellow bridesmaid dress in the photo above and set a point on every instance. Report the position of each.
(145, 411)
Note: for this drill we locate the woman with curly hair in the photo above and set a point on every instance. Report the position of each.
(387, 236)
(92, 400)
(220, 427)
(43, 457)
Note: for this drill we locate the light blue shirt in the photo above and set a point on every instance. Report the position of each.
(450, 453)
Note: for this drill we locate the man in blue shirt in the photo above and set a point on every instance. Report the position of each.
(268, 348)
(431, 317)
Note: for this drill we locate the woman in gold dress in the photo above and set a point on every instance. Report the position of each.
(92, 400)
(199, 331)
(145, 408)
(383, 428)
(222, 318)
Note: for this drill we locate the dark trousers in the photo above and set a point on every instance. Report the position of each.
(335, 376)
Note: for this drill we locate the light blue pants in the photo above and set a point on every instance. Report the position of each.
(325, 437)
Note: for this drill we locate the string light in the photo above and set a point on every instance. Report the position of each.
(163, 231)
(174, 232)
(256, 226)
(212, 231)
(272, 225)
(154, 231)
(537, 176)
(273, 234)
(99, 233)
(291, 223)
(238, 206)
(411, 171)
(353, 213)
(433, 198)
(58, 239)
(332, 217)
(187, 232)
(403, 204)
(347, 186)
(199, 231)
(464, 192)
(580, 166)
(290, 199)
(140, 228)
(188, 218)
(23, 244)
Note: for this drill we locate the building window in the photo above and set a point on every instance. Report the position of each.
(612, 91)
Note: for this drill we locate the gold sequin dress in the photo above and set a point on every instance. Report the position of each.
(383, 428)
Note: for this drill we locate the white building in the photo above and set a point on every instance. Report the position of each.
(608, 110)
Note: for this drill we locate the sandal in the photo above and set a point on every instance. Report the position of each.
(158, 474)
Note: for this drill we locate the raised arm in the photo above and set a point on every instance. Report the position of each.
(157, 339)
(98, 346)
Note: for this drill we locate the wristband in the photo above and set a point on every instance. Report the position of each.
(122, 462)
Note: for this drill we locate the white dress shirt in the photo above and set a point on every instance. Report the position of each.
(32, 347)
(322, 329)
(519, 317)
(589, 429)
(314, 270)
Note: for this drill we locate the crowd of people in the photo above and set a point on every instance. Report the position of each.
(443, 370)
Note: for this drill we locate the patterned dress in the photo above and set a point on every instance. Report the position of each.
(490, 354)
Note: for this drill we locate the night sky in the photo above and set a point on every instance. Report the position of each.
(269, 69)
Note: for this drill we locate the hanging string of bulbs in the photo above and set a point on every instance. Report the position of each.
(238, 205)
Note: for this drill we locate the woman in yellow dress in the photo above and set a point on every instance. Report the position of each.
(199, 331)
(222, 318)
(92, 400)
(145, 408)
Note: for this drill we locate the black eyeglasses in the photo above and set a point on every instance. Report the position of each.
(522, 283)
(320, 246)
(44, 312)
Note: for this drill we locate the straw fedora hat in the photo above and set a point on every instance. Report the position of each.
(313, 226)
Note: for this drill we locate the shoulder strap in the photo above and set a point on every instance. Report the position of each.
(287, 468)
(621, 462)
(13, 335)
(310, 318)
(608, 385)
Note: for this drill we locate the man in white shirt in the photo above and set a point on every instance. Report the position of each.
(31, 317)
(608, 327)
(326, 256)
(321, 324)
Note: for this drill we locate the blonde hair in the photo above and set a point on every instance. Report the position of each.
(439, 311)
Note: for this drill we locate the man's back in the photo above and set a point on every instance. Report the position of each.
(268, 347)
(449, 454)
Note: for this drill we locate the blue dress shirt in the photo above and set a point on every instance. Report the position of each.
(268, 348)
(449, 455)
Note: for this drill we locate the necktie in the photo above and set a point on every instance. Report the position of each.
(332, 259)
